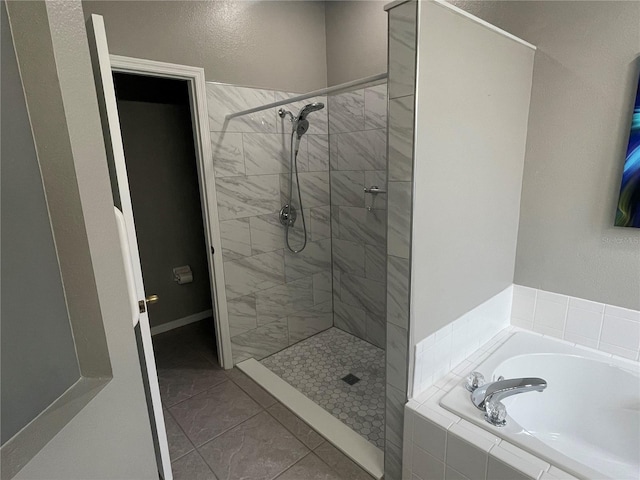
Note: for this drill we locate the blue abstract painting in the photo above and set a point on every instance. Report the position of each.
(628, 214)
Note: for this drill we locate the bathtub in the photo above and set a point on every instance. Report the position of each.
(587, 421)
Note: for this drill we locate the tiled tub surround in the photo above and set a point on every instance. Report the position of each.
(439, 353)
(274, 298)
(358, 136)
(607, 328)
(440, 445)
(316, 367)
(596, 325)
(596, 438)
(442, 361)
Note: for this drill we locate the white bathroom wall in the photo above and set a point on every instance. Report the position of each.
(606, 327)
(472, 113)
(581, 102)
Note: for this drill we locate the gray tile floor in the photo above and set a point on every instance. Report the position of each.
(316, 367)
(223, 426)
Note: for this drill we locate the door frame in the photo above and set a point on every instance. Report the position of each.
(206, 178)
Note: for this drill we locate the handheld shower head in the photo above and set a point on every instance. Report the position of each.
(300, 127)
(307, 109)
(301, 124)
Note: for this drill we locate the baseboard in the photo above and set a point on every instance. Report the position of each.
(181, 322)
(365, 454)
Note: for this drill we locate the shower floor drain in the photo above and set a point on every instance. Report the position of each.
(351, 379)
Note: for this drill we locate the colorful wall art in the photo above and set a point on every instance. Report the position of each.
(628, 214)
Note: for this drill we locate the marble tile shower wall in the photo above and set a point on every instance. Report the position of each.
(358, 142)
(402, 74)
(274, 298)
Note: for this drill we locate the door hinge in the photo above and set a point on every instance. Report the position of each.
(141, 306)
(213, 250)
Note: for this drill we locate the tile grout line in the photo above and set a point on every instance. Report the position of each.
(199, 393)
(202, 355)
(261, 410)
(564, 319)
(292, 465)
(290, 431)
(206, 463)
(599, 340)
(185, 436)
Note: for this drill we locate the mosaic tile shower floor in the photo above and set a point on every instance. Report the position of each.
(316, 367)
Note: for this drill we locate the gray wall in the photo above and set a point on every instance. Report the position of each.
(267, 44)
(472, 116)
(585, 77)
(294, 46)
(356, 39)
(111, 436)
(161, 166)
(37, 344)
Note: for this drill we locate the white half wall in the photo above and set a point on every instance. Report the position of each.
(472, 106)
(581, 103)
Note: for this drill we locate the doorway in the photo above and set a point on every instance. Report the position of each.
(155, 121)
(166, 169)
(177, 92)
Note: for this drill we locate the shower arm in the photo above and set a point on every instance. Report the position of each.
(283, 113)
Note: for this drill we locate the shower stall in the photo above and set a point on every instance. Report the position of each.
(301, 195)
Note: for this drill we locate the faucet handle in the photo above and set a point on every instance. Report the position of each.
(474, 380)
(496, 413)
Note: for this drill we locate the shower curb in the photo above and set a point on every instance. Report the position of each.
(365, 454)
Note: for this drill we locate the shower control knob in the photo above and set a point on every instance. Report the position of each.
(288, 215)
(474, 380)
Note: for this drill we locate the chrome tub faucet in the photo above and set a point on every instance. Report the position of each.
(488, 397)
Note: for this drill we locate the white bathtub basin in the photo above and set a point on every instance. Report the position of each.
(587, 421)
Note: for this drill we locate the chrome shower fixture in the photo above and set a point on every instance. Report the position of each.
(283, 113)
(312, 107)
(288, 213)
(306, 110)
(300, 123)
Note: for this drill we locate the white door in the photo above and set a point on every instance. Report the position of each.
(118, 172)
